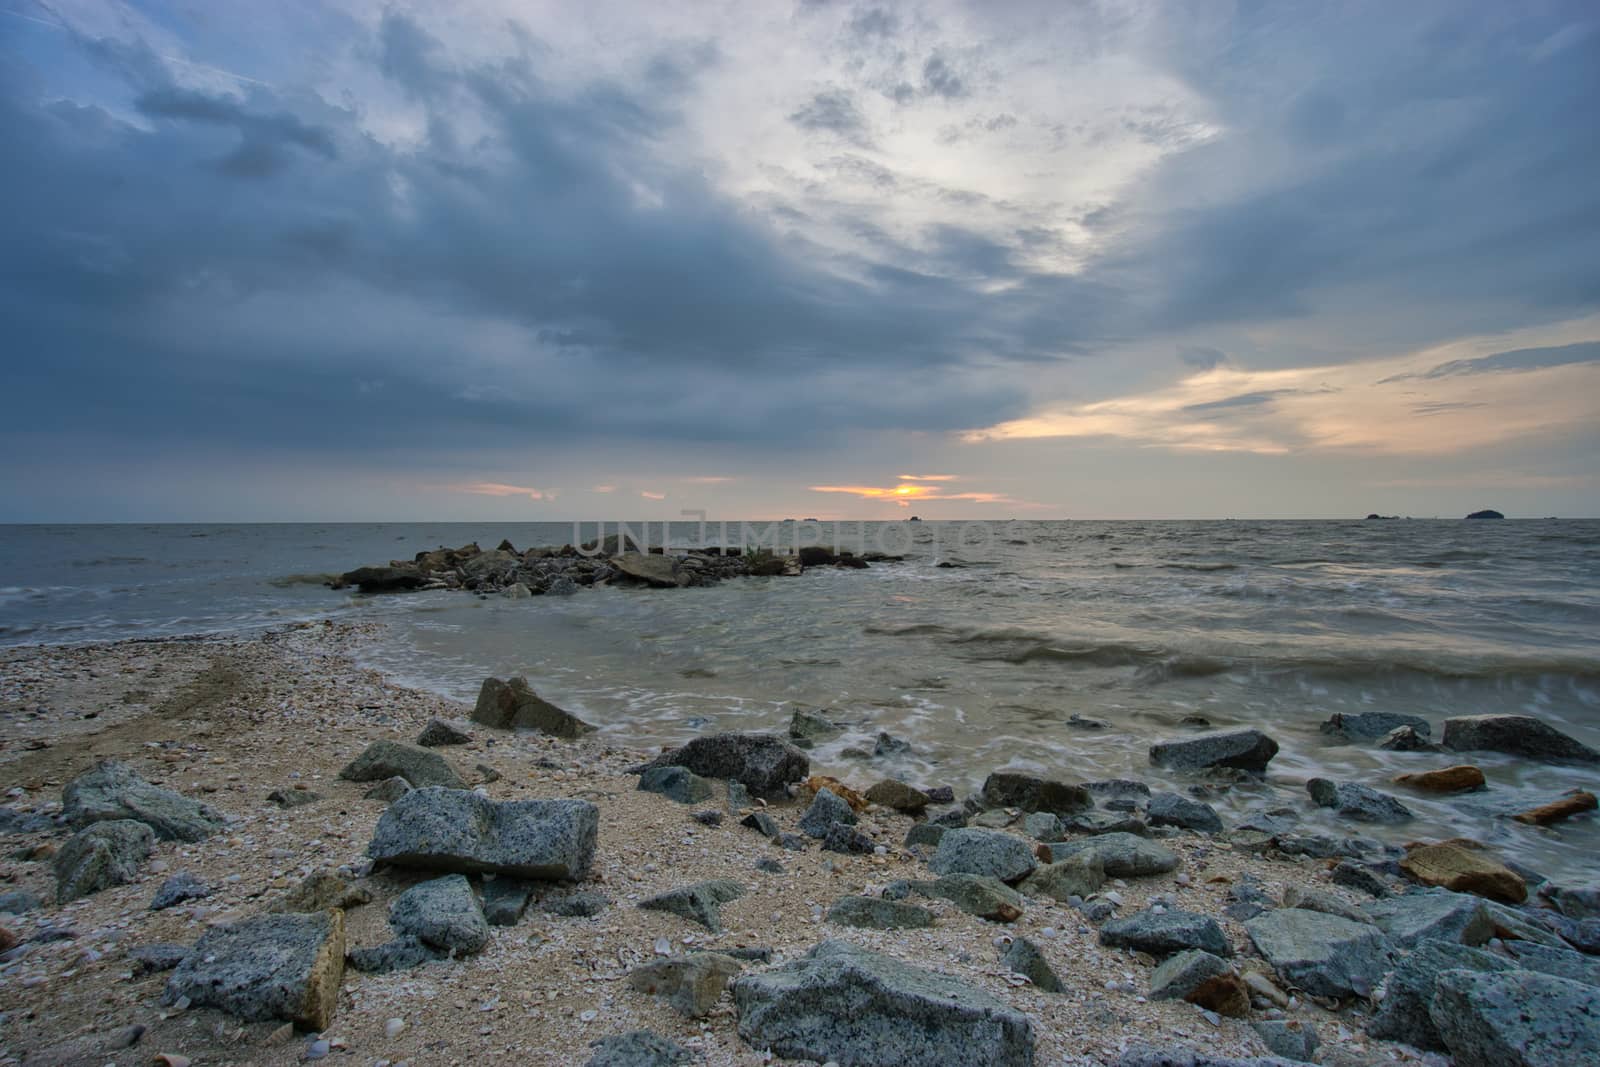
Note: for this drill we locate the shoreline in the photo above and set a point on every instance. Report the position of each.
(229, 719)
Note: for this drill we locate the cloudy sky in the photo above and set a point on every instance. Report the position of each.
(376, 259)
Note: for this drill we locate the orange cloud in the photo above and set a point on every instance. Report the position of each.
(903, 494)
(708, 479)
(498, 489)
(927, 477)
(648, 495)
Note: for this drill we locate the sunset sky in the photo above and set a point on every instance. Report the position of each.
(523, 260)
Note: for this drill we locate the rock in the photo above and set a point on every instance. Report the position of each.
(994, 819)
(177, 889)
(762, 823)
(896, 795)
(584, 904)
(844, 838)
(1024, 958)
(112, 791)
(442, 912)
(17, 902)
(1247, 750)
(1575, 902)
(826, 809)
(1182, 1057)
(886, 744)
(1486, 513)
(1165, 932)
(389, 790)
(1517, 924)
(515, 591)
(1357, 801)
(1402, 1014)
(976, 894)
(1181, 974)
(1043, 826)
(399, 954)
(267, 967)
(1561, 962)
(927, 834)
(854, 1006)
(638, 1048)
(1010, 789)
(441, 732)
(513, 705)
(1226, 994)
(1323, 954)
(1371, 725)
(1456, 866)
(1516, 1019)
(875, 914)
(1518, 735)
(459, 831)
(708, 817)
(159, 957)
(395, 579)
(1079, 875)
(763, 763)
(1405, 739)
(1353, 875)
(1431, 915)
(1293, 1039)
(505, 899)
(986, 852)
(676, 783)
(101, 855)
(808, 727)
(1313, 899)
(1106, 822)
(662, 571)
(1461, 778)
(1121, 855)
(387, 759)
(690, 984)
(1575, 803)
(1170, 809)
(701, 902)
(321, 890)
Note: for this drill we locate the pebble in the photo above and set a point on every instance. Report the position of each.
(588, 1016)
(317, 1050)
(393, 1027)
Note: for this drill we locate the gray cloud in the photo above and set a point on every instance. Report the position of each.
(834, 111)
(1243, 400)
(1200, 356)
(1520, 359)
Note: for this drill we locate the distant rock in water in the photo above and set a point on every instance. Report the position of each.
(1487, 513)
(1375, 515)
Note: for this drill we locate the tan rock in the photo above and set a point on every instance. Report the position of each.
(891, 793)
(1574, 803)
(1462, 867)
(818, 782)
(1226, 994)
(1458, 779)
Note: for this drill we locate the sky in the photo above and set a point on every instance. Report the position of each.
(525, 260)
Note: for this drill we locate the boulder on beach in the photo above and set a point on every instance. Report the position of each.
(442, 912)
(1072, 876)
(1357, 801)
(113, 790)
(1172, 809)
(763, 763)
(101, 855)
(267, 967)
(1162, 933)
(897, 795)
(701, 902)
(391, 759)
(676, 783)
(513, 705)
(1121, 855)
(985, 852)
(1371, 725)
(807, 727)
(690, 984)
(1411, 919)
(441, 732)
(454, 830)
(638, 1048)
(662, 571)
(1247, 750)
(396, 578)
(1462, 866)
(873, 913)
(976, 894)
(1516, 735)
(826, 809)
(1462, 778)
(1322, 954)
(852, 1005)
(1012, 789)
(1402, 1015)
(1516, 1019)
(1182, 973)
(1027, 959)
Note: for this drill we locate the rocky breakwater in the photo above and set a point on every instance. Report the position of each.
(561, 571)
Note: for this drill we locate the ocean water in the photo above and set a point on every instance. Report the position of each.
(978, 665)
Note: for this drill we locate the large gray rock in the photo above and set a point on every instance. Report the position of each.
(1322, 954)
(1432, 915)
(701, 902)
(1247, 750)
(826, 809)
(1575, 902)
(100, 856)
(1179, 975)
(1011, 789)
(441, 732)
(976, 894)
(267, 967)
(1402, 1015)
(391, 759)
(442, 912)
(1357, 801)
(1293, 1039)
(1182, 1057)
(1561, 962)
(1075, 876)
(1326, 901)
(807, 727)
(873, 913)
(764, 763)
(113, 791)
(1371, 725)
(399, 954)
(1121, 855)
(853, 1006)
(1171, 809)
(690, 984)
(1024, 957)
(985, 852)
(662, 571)
(1519, 735)
(456, 830)
(513, 705)
(1517, 1019)
(177, 889)
(676, 783)
(638, 1048)
(1162, 933)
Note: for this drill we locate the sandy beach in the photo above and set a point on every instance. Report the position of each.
(229, 720)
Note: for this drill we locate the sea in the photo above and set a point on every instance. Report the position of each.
(1062, 647)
